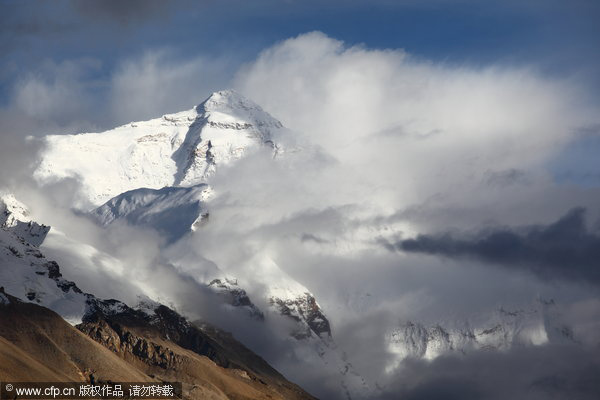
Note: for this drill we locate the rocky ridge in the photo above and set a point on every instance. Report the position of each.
(500, 330)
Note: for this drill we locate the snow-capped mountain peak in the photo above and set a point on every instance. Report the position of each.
(181, 149)
(227, 126)
(233, 104)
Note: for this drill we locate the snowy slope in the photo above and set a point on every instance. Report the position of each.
(26, 272)
(28, 275)
(14, 217)
(181, 149)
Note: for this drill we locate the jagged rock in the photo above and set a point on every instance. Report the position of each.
(235, 296)
(305, 310)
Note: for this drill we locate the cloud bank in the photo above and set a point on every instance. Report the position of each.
(413, 132)
(564, 249)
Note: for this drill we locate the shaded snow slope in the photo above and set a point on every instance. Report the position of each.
(172, 211)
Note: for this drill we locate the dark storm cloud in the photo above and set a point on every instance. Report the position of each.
(40, 19)
(309, 237)
(34, 26)
(504, 178)
(563, 249)
(123, 12)
(23, 21)
(28, 18)
(545, 372)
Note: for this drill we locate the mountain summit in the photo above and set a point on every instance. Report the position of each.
(181, 149)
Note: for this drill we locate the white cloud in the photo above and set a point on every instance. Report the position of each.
(58, 94)
(158, 82)
(408, 127)
(78, 95)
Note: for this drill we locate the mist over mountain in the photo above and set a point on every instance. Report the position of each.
(312, 216)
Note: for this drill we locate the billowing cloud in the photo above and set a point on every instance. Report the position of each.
(413, 132)
(59, 94)
(77, 96)
(413, 146)
(159, 82)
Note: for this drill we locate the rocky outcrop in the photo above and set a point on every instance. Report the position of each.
(304, 310)
(235, 296)
(124, 343)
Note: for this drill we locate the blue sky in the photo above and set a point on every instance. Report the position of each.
(558, 39)
(558, 36)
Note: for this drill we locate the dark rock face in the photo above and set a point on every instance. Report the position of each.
(116, 326)
(127, 330)
(53, 270)
(123, 342)
(63, 284)
(234, 295)
(305, 311)
(177, 329)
